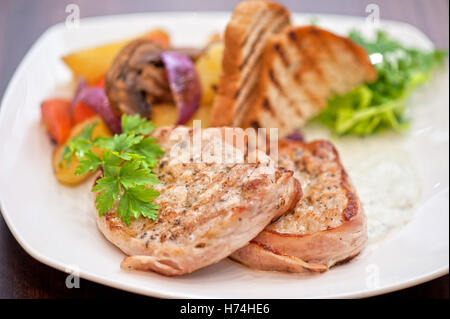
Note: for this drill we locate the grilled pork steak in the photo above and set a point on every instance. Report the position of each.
(208, 209)
(328, 224)
(302, 68)
(251, 25)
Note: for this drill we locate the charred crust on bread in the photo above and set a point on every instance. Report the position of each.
(266, 105)
(279, 50)
(275, 81)
(251, 25)
(312, 61)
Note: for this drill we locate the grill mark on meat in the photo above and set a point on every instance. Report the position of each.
(352, 203)
(170, 217)
(266, 247)
(183, 240)
(352, 206)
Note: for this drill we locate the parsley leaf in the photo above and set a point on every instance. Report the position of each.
(127, 160)
(131, 175)
(137, 201)
(88, 163)
(137, 125)
(79, 145)
(109, 189)
(149, 151)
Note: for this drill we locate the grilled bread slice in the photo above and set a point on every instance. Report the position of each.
(328, 224)
(302, 68)
(251, 25)
(208, 209)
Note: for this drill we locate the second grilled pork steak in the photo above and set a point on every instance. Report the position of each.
(208, 209)
(252, 23)
(326, 226)
(302, 68)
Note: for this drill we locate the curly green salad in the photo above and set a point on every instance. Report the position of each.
(378, 106)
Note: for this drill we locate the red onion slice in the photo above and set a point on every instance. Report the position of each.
(82, 84)
(296, 136)
(184, 84)
(96, 99)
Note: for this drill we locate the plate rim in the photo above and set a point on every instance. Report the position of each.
(118, 284)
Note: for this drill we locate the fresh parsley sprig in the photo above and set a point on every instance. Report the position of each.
(127, 162)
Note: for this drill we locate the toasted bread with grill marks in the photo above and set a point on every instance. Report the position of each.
(208, 208)
(328, 224)
(252, 23)
(302, 68)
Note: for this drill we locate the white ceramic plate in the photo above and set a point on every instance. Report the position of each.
(55, 224)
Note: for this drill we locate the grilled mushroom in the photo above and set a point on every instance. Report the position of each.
(137, 78)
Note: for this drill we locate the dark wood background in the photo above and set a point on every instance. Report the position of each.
(23, 21)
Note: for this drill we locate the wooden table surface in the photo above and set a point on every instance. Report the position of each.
(23, 21)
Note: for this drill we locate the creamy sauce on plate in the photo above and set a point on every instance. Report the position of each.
(384, 175)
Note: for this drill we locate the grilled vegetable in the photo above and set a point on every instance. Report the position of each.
(209, 68)
(96, 99)
(82, 84)
(127, 161)
(82, 112)
(167, 114)
(55, 114)
(296, 136)
(184, 84)
(65, 171)
(94, 62)
(137, 79)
